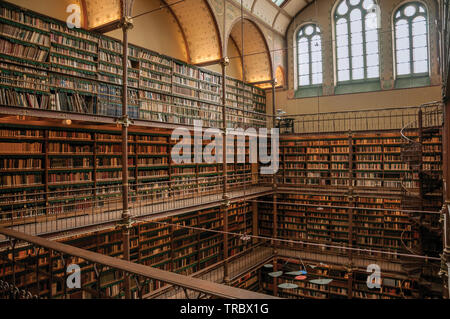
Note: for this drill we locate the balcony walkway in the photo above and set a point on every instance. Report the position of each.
(107, 216)
(191, 285)
(242, 263)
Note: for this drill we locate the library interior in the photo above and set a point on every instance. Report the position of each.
(135, 137)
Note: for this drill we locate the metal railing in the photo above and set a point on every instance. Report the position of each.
(47, 262)
(103, 205)
(364, 120)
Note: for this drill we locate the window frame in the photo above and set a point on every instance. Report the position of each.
(297, 58)
(335, 18)
(400, 7)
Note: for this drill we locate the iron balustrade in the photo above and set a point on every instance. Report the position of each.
(47, 263)
(103, 204)
(363, 120)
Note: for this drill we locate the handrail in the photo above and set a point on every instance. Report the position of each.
(195, 284)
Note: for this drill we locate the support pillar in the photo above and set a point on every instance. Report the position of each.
(225, 197)
(125, 223)
(255, 221)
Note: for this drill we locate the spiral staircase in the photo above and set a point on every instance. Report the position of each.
(418, 187)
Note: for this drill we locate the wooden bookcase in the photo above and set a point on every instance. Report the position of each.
(48, 66)
(162, 245)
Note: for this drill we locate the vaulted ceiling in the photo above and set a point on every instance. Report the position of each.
(201, 25)
(257, 63)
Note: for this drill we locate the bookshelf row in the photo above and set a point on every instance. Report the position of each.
(160, 244)
(65, 169)
(47, 66)
(361, 160)
(370, 226)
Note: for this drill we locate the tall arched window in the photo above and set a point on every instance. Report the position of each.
(411, 39)
(356, 31)
(309, 55)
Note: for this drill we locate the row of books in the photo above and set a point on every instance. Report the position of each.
(34, 53)
(72, 102)
(29, 36)
(24, 18)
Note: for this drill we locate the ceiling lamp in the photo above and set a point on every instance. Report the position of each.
(275, 274)
(287, 286)
(321, 281)
(297, 273)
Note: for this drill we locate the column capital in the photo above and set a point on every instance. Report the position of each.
(225, 61)
(126, 23)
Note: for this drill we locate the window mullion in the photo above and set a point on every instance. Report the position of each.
(363, 36)
(411, 55)
(310, 59)
(349, 41)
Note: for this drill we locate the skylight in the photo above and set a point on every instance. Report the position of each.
(278, 2)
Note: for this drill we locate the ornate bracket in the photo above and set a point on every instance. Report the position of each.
(126, 23)
(225, 61)
(125, 121)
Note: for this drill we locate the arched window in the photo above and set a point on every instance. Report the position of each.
(356, 31)
(411, 39)
(309, 56)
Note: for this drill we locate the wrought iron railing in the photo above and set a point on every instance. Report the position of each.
(103, 205)
(363, 120)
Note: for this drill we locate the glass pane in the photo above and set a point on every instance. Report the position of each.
(371, 35)
(303, 69)
(354, 2)
(373, 72)
(357, 62)
(357, 50)
(304, 80)
(419, 26)
(402, 43)
(309, 30)
(420, 54)
(355, 15)
(303, 58)
(342, 8)
(420, 41)
(317, 29)
(371, 47)
(316, 56)
(420, 66)
(342, 52)
(401, 29)
(403, 56)
(358, 74)
(367, 4)
(317, 78)
(372, 60)
(341, 27)
(357, 38)
(403, 68)
(316, 43)
(409, 11)
(371, 21)
(316, 67)
(303, 45)
(342, 40)
(343, 75)
(343, 64)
